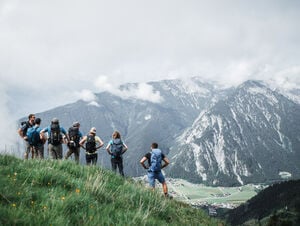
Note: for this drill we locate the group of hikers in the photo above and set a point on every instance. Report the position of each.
(35, 138)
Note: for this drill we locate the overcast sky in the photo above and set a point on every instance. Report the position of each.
(55, 52)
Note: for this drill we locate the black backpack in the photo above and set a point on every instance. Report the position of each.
(90, 145)
(25, 126)
(74, 137)
(55, 135)
(117, 148)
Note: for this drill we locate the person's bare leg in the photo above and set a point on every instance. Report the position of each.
(165, 188)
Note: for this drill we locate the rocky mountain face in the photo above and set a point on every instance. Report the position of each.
(250, 136)
(249, 133)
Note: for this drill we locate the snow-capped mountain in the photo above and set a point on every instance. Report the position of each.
(236, 135)
(140, 122)
(251, 136)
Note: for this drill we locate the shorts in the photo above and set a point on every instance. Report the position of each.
(155, 175)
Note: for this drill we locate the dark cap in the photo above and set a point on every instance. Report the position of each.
(55, 120)
(76, 124)
(37, 121)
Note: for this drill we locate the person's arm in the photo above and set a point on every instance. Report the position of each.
(100, 143)
(42, 133)
(66, 135)
(80, 136)
(166, 162)
(125, 148)
(20, 132)
(42, 137)
(143, 160)
(82, 141)
(108, 149)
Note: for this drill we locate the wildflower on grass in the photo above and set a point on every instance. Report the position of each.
(62, 198)
(15, 174)
(44, 207)
(49, 183)
(32, 202)
(14, 205)
(19, 193)
(77, 190)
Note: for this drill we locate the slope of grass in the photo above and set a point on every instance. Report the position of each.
(44, 192)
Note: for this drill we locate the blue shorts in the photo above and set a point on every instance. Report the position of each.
(155, 175)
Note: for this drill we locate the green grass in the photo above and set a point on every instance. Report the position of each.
(45, 192)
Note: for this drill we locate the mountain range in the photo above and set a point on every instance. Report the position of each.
(213, 135)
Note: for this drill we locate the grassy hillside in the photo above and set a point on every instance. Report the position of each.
(36, 192)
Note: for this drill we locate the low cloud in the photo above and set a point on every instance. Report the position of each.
(86, 95)
(288, 78)
(57, 56)
(141, 91)
(8, 132)
(103, 83)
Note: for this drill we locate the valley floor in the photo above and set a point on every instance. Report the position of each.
(199, 195)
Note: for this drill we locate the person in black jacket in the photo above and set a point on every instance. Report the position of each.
(22, 133)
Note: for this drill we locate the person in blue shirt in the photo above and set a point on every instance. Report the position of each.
(116, 148)
(55, 138)
(35, 140)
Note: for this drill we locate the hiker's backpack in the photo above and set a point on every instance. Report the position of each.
(33, 136)
(117, 148)
(55, 135)
(74, 137)
(156, 158)
(24, 127)
(90, 145)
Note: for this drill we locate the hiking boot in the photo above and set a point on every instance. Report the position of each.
(168, 196)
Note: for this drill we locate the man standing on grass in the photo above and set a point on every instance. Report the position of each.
(155, 157)
(73, 146)
(22, 131)
(55, 138)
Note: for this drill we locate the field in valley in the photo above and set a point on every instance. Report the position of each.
(201, 195)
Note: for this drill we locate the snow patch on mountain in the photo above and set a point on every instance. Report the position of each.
(147, 117)
(94, 103)
(265, 92)
(189, 86)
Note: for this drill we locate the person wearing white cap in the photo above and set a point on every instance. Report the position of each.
(93, 143)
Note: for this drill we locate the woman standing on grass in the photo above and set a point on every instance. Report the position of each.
(93, 143)
(116, 148)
